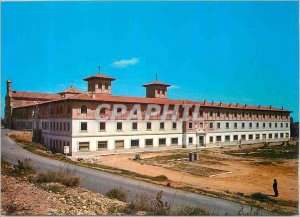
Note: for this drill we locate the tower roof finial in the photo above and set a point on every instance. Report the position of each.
(99, 69)
(156, 77)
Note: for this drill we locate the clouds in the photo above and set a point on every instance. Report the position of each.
(174, 87)
(125, 63)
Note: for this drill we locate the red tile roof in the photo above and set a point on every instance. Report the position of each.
(34, 95)
(72, 90)
(99, 76)
(157, 83)
(142, 100)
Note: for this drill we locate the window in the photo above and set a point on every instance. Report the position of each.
(227, 115)
(69, 109)
(210, 114)
(119, 125)
(250, 137)
(149, 142)
(264, 125)
(190, 140)
(270, 135)
(281, 125)
(148, 125)
(235, 125)
(162, 125)
(83, 146)
(106, 86)
(218, 114)
(287, 125)
(174, 125)
(264, 136)
(134, 126)
(65, 126)
(162, 141)
(235, 137)
(227, 138)
(270, 125)
(134, 143)
(211, 139)
(174, 141)
(287, 135)
(102, 144)
(275, 125)
(68, 126)
(250, 125)
(201, 113)
(103, 111)
(243, 137)
(257, 137)
(281, 135)
(243, 125)
(218, 125)
(227, 125)
(102, 126)
(190, 125)
(83, 126)
(219, 138)
(235, 115)
(276, 135)
(257, 125)
(211, 125)
(83, 109)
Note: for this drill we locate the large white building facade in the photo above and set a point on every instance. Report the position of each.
(74, 120)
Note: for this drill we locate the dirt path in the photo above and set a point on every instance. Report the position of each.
(244, 176)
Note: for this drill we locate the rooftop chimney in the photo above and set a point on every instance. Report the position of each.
(8, 86)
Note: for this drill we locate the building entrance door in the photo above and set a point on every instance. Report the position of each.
(201, 140)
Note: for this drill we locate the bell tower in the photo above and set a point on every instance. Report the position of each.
(156, 89)
(99, 83)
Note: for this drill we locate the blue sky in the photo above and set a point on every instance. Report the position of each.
(245, 52)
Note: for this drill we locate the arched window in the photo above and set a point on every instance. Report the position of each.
(103, 111)
(83, 109)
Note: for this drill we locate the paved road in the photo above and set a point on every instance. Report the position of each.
(102, 181)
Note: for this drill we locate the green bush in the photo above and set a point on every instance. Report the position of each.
(190, 211)
(117, 194)
(23, 167)
(152, 206)
(65, 177)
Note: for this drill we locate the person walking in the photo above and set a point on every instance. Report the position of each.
(275, 188)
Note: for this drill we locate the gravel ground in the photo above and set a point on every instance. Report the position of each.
(20, 197)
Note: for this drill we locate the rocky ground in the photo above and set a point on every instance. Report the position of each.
(21, 197)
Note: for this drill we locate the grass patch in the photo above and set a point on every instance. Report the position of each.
(261, 197)
(117, 194)
(160, 178)
(65, 177)
(289, 151)
(23, 168)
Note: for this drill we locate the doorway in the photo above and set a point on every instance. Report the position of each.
(201, 140)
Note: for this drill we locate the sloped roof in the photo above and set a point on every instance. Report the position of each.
(71, 90)
(143, 100)
(96, 76)
(34, 95)
(157, 83)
